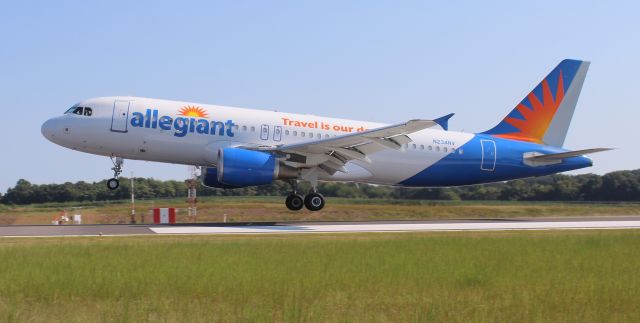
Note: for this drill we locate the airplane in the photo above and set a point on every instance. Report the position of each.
(237, 147)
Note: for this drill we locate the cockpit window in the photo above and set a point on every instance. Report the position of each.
(86, 111)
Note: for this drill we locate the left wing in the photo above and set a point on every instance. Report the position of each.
(332, 154)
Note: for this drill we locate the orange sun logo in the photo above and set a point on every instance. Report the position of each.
(193, 111)
(537, 118)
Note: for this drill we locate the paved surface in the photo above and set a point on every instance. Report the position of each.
(628, 222)
(72, 230)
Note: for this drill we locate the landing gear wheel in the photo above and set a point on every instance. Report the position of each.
(314, 201)
(294, 202)
(113, 184)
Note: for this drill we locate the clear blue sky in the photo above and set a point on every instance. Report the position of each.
(381, 61)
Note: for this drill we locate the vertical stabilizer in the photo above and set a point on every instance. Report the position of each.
(544, 115)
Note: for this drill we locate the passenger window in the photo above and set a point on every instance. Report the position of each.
(295, 133)
(421, 147)
(444, 149)
(302, 134)
(413, 146)
(319, 136)
(460, 151)
(286, 132)
(244, 128)
(311, 135)
(253, 129)
(88, 112)
(430, 148)
(437, 148)
(326, 135)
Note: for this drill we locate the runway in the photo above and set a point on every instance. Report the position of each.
(630, 222)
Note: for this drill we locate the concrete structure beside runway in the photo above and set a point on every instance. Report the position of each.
(631, 222)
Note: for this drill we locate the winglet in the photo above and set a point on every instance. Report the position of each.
(444, 121)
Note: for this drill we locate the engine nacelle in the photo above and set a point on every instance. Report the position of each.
(209, 177)
(241, 167)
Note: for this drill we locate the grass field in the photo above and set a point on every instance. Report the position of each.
(559, 276)
(273, 209)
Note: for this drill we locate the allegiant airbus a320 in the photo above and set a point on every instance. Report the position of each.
(238, 147)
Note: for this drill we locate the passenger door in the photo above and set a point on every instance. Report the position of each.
(120, 116)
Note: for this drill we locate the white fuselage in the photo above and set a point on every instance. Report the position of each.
(134, 128)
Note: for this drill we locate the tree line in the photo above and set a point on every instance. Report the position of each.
(614, 186)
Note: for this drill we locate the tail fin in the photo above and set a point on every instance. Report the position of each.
(544, 115)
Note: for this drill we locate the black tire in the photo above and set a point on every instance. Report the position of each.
(314, 201)
(113, 184)
(294, 202)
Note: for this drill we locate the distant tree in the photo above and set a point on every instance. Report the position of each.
(615, 186)
(19, 194)
(517, 190)
(621, 186)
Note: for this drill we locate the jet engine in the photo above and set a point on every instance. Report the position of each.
(241, 167)
(209, 177)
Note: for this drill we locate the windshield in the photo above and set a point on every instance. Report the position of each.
(80, 111)
(72, 109)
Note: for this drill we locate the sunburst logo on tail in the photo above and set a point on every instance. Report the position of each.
(536, 117)
(193, 111)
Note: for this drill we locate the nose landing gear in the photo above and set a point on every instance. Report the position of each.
(114, 183)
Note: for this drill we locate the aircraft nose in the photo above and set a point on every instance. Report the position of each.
(48, 129)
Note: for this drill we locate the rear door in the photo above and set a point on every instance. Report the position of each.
(488, 155)
(120, 116)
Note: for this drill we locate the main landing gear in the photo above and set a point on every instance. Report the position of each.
(114, 183)
(313, 201)
(294, 202)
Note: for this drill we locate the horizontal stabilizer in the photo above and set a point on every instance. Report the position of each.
(566, 154)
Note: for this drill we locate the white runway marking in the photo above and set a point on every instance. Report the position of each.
(399, 227)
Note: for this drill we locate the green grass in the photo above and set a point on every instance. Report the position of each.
(580, 276)
(214, 209)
